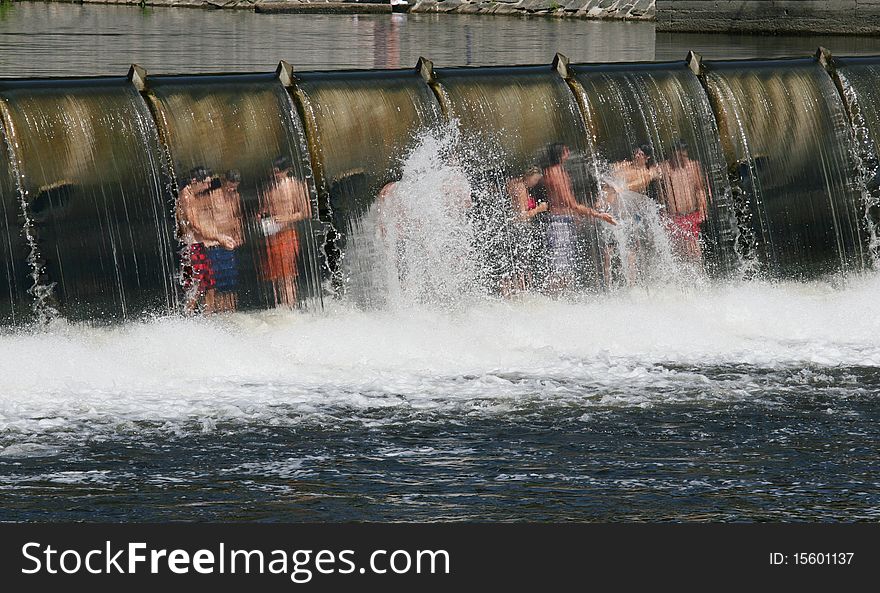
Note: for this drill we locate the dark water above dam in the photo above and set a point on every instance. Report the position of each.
(411, 362)
(52, 39)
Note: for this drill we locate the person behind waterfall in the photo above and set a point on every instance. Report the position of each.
(193, 226)
(563, 208)
(284, 203)
(637, 174)
(392, 227)
(626, 196)
(229, 236)
(528, 194)
(210, 214)
(683, 192)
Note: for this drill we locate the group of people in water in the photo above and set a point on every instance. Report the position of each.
(678, 184)
(544, 200)
(547, 205)
(213, 227)
(532, 236)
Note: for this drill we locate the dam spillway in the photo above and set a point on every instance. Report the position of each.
(361, 125)
(158, 194)
(93, 218)
(627, 105)
(787, 136)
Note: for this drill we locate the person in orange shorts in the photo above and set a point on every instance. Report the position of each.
(285, 203)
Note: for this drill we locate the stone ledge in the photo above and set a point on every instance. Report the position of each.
(639, 10)
(208, 4)
(321, 8)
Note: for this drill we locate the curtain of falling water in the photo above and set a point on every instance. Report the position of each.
(659, 105)
(361, 125)
(509, 118)
(15, 279)
(86, 161)
(859, 79)
(785, 137)
(241, 126)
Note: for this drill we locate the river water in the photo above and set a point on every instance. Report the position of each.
(51, 39)
(728, 401)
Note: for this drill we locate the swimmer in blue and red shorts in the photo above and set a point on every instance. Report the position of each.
(209, 214)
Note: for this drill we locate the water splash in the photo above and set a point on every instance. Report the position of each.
(427, 237)
(640, 246)
(446, 235)
(630, 348)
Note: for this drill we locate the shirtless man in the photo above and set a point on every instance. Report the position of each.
(285, 203)
(624, 195)
(634, 176)
(198, 279)
(226, 203)
(386, 206)
(563, 208)
(638, 173)
(210, 214)
(683, 190)
(393, 228)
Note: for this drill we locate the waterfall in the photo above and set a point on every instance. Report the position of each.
(858, 81)
(166, 194)
(360, 125)
(246, 202)
(785, 135)
(661, 106)
(93, 198)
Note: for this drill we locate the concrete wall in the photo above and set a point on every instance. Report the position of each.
(769, 16)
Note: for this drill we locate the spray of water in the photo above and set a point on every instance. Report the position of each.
(640, 246)
(446, 234)
(418, 239)
(630, 348)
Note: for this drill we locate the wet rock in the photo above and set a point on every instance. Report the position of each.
(505, 8)
(448, 5)
(537, 5)
(468, 9)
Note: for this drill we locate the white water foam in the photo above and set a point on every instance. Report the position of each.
(634, 347)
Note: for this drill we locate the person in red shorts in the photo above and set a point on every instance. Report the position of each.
(198, 279)
(683, 189)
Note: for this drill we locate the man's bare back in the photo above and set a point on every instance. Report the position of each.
(561, 198)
